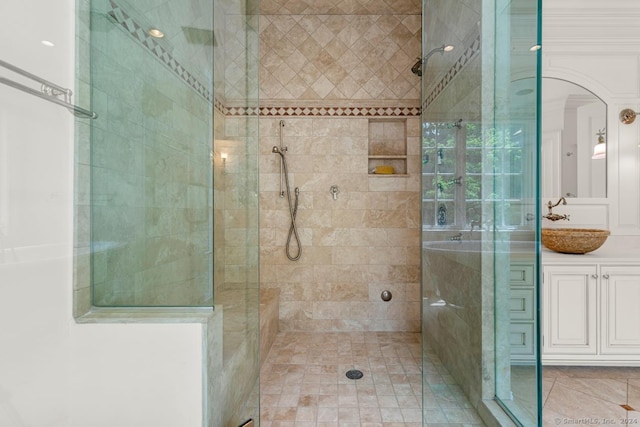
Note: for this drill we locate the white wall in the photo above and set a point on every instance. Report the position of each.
(597, 45)
(54, 372)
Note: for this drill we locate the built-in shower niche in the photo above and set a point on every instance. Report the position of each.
(387, 147)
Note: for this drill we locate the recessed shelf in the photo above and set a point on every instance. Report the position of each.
(388, 157)
(388, 146)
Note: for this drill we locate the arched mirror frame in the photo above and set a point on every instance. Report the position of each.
(591, 212)
(573, 116)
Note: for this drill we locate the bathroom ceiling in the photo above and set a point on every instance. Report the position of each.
(340, 7)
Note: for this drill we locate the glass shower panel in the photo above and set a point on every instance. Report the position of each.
(174, 174)
(517, 207)
(478, 349)
(151, 169)
(235, 202)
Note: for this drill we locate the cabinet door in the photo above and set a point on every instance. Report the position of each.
(570, 309)
(620, 308)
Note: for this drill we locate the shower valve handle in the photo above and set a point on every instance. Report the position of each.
(334, 191)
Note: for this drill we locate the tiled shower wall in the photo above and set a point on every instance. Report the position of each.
(339, 57)
(326, 76)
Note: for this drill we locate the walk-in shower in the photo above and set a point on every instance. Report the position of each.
(285, 190)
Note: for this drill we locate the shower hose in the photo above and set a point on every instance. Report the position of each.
(293, 211)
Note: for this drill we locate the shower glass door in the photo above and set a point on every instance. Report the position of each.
(480, 209)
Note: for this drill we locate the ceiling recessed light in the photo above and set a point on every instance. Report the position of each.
(47, 43)
(154, 32)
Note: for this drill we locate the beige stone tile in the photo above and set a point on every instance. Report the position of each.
(566, 403)
(284, 414)
(327, 414)
(306, 414)
(634, 395)
(614, 391)
(346, 414)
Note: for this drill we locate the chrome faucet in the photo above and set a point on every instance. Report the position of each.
(555, 217)
(474, 223)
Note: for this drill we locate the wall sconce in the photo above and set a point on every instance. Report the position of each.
(628, 116)
(600, 149)
(224, 156)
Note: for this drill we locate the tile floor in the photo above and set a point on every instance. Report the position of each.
(303, 383)
(591, 395)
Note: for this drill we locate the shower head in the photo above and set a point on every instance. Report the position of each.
(417, 67)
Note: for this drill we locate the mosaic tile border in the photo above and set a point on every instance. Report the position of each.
(218, 105)
(464, 59)
(317, 111)
(120, 16)
(339, 111)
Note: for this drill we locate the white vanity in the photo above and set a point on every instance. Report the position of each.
(591, 306)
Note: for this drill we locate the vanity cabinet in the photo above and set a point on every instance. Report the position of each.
(522, 312)
(591, 314)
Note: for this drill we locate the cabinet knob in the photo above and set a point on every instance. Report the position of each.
(605, 276)
(595, 276)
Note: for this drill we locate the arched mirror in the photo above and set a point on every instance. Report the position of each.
(574, 120)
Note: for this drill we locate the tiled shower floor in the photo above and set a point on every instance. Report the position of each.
(303, 383)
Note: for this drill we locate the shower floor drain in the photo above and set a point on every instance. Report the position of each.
(354, 374)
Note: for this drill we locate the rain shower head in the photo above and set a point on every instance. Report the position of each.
(417, 67)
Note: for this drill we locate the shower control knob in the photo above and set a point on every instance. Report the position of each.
(334, 190)
(386, 295)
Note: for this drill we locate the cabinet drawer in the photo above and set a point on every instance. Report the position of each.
(521, 275)
(521, 339)
(521, 304)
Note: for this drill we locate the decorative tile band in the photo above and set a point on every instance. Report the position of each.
(132, 27)
(218, 105)
(316, 111)
(464, 59)
(339, 111)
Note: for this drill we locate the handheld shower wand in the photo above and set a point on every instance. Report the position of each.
(293, 205)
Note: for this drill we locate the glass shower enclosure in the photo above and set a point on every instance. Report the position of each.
(480, 256)
(172, 166)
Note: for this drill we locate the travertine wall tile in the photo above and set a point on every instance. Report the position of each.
(339, 57)
(323, 63)
(354, 247)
